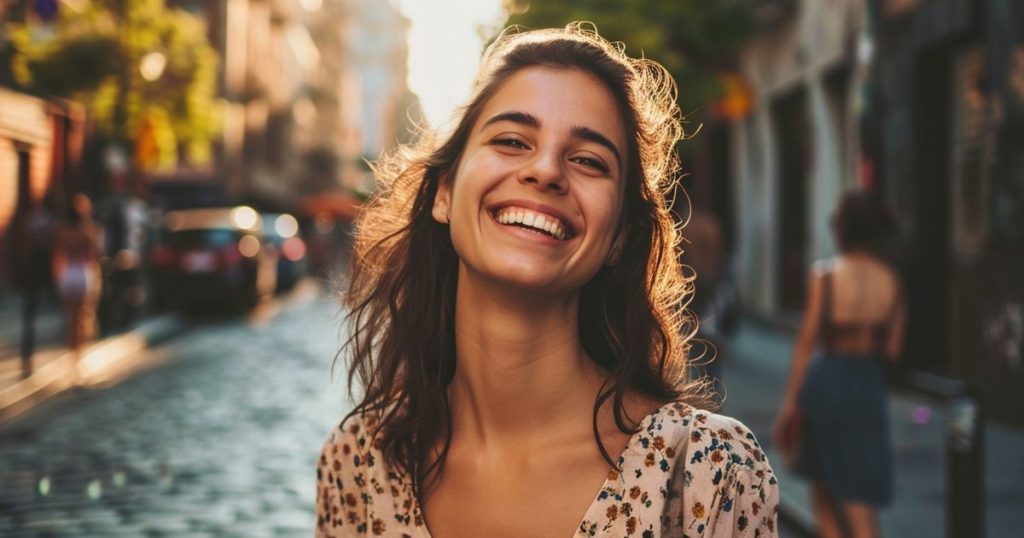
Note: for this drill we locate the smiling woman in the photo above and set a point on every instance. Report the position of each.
(516, 324)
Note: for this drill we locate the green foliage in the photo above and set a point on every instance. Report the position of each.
(93, 55)
(694, 39)
(71, 56)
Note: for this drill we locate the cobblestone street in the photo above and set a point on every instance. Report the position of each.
(219, 440)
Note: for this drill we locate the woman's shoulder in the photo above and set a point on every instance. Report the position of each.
(721, 440)
(710, 470)
(356, 433)
(824, 266)
(356, 492)
(350, 448)
(689, 470)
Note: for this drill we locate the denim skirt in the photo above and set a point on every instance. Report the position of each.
(846, 443)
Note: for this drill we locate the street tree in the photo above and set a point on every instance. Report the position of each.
(147, 74)
(695, 40)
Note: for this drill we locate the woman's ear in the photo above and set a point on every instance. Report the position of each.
(441, 211)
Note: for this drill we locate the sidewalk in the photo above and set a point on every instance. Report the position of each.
(52, 366)
(755, 366)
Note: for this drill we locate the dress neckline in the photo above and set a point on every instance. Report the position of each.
(593, 509)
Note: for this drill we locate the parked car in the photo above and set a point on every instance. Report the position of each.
(281, 230)
(211, 257)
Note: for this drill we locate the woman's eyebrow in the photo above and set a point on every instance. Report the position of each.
(591, 135)
(515, 117)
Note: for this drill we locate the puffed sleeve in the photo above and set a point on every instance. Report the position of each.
(340, 502)
(734, 492)
(750, 504)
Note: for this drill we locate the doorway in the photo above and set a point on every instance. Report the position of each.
(793, 154)
(929, 256)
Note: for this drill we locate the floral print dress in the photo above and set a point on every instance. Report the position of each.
(685, 473)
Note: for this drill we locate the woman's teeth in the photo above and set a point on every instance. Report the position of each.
(532, 220)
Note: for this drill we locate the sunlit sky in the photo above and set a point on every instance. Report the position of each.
(444, 50)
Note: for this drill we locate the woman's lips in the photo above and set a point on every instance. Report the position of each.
(535, 217)
(532, 220)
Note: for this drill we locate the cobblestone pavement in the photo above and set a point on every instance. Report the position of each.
(220, 440)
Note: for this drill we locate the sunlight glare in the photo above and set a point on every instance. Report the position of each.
(445, 40)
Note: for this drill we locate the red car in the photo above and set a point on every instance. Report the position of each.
(211, 257)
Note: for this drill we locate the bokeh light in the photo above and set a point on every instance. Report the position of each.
(244, 217)
(152, 65)
(286, 226)
(249, 246)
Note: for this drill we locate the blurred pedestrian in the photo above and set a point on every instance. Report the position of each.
(139, 222)
(37, 237)
(126, 229)
(514, 312)
(834, 419)
(77, 272)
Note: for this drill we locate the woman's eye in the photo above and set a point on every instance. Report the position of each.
(591, 163)
(511, 143)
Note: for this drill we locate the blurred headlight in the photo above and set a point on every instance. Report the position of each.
(244, 217)
(286, 226)
(249, 246)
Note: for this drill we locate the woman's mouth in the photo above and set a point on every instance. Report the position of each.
(534, 221)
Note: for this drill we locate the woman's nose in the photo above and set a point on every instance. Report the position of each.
(545, 172)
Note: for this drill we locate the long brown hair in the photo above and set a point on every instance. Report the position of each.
(401, 294)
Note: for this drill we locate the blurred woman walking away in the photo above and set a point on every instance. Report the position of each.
(834, 419)
(77, 271)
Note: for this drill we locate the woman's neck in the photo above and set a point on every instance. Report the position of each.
(522, 375)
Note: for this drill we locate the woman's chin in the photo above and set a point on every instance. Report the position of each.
(531, 279)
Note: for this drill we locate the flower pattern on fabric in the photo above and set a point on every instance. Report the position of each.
(685, 473)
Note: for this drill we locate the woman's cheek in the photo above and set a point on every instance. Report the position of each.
(605, 216)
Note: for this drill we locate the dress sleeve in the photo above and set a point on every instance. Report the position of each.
(340, 502)
(733, 490)
(750, 505)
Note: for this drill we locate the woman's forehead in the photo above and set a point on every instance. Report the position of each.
(565, 97)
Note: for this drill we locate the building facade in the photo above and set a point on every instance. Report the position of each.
(310, 88)
(922, 101)
(40, 145)
(795, 152)
(949, 142)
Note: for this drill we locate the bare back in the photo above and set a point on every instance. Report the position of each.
(863, 307)
(79, 243)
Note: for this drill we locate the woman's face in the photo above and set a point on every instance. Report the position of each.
(536, 199)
